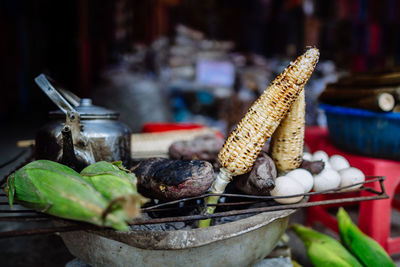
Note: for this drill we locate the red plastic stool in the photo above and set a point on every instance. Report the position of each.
(374, 216)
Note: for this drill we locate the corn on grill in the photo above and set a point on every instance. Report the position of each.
(244, 144)
(238, 204)
(253, 144)
(235, 204)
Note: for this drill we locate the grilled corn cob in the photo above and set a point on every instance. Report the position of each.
(242, 147)
(288, 140)
(116, 184)
(55, 189)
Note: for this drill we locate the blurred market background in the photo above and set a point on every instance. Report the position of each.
(183, 60)
(175, 61)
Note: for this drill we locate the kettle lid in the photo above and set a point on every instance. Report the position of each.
(87, 110)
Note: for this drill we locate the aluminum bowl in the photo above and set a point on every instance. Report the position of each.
(240, 243)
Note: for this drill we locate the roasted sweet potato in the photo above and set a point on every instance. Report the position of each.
(203, 147)
(260, 180)
(166, 179)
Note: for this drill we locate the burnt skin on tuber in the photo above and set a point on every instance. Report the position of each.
(261, 179)
(166, 179)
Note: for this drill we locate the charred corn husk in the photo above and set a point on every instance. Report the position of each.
(242, 147)
(116, 184)
(288, 140)
(58, 190)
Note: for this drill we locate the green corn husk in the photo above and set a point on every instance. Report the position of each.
(58, 190)
(323, 250)
(367, 250)
(116, 184)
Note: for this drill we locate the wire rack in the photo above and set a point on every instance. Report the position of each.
(234, 204)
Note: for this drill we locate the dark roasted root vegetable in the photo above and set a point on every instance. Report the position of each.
(116, 184)
(166, 179)
(260, 180)
(203, 148)
(58, 190)
(315, 167)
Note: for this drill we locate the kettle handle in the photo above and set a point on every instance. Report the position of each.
(54, 95)
(72, 116)
(73, 140)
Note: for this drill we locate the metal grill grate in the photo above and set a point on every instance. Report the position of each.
(237, 203)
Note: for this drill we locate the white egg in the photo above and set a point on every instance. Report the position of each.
(307, 156)
(287, 186)
(328, 165)
(326, 180)
(304, 177)
(338, 162)
(320, 155)
(351, 176)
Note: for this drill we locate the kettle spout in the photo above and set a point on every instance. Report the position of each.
(69, 157)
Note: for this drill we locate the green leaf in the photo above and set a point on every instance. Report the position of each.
(10, 189)
(27, 193)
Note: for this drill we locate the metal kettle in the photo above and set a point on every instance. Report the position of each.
(80, 133)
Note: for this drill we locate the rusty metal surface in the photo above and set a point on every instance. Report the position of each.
(17, 158)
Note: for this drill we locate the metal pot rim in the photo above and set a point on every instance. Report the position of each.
(184, 239)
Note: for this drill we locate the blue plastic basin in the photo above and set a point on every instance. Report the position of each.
(364, 132)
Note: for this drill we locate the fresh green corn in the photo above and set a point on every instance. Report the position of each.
(56, 189)
(323, 250)
(367, 250)
(116, 184)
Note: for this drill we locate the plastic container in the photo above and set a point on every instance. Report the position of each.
(364, 132)
(156, 127)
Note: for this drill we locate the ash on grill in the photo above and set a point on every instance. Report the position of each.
(194, 207)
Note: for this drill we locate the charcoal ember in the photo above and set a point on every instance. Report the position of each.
(170, 226)
(204, 147)
(261, 179)
(314, 167)
(166, 179)
(229, 219)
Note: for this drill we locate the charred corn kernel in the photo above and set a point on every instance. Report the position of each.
(247, 139)
(116, 184)
(288, 140)
(58, 190)
(244, 144)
